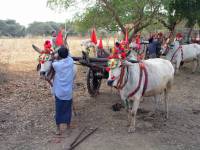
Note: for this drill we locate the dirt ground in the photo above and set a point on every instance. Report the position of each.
(27, 110)
(27, 116)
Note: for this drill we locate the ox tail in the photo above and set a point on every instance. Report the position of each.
(166, 91)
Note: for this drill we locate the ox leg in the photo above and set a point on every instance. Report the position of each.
(133, 115)
(156, 99)
(166, 103)
(198, 62)
(128, 109)
(129, 117)
(177, 67)
(195, 62)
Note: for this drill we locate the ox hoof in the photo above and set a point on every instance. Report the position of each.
(131, 130)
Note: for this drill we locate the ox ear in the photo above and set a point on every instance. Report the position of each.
(37, 49)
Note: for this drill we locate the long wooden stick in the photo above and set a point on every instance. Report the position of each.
(75, 140)
(73, 146)
(91, 59)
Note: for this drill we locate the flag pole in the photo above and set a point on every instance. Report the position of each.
(66, 34)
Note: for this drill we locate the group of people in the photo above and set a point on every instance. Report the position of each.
(154, 46)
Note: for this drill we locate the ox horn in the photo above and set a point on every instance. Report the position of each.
(37, 49)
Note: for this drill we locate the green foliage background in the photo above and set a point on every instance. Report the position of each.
(110, 16)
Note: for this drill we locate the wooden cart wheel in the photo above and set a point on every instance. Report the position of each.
(93, 82)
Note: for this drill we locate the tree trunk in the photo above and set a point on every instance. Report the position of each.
(172, 32)
(134, 30)
(189, 35)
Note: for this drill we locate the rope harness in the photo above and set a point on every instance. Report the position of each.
(142, 68)
(121, 85)
(179, 48)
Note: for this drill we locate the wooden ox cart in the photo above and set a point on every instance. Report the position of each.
(95, 73)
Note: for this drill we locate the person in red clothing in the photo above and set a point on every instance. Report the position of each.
(61, 39)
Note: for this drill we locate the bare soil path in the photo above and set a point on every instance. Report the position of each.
(27, 117)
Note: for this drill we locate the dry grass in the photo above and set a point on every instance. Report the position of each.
(18, 54)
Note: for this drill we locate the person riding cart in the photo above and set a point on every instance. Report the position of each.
(59, 40)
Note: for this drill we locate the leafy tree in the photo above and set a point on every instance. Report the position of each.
(175, 11)
(191, 12)
(39, 28)
(45, 28)
(170, 16)
(11, 28)
(114, 14)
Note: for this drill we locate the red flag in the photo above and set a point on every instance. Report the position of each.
(59, 39)
(138, 41)
(100, 43)
(93, 37)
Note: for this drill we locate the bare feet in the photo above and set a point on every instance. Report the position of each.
(71, 126)
(58, 131)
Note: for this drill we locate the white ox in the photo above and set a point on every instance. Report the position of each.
(183, 53)
(92, 50)
(89, 47)
(137, 79)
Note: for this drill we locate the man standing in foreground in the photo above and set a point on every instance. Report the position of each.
(63, 87)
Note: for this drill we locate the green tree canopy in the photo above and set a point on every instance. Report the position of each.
(39, 28)
(175, 11)
(114, 14)
(11, 28)
(46, 28)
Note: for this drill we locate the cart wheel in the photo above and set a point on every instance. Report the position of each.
(93, 83)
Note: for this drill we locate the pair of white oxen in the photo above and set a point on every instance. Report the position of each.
(152, 77)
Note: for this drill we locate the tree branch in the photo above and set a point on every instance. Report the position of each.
(114, 13)
(143, 22)
(164, 23)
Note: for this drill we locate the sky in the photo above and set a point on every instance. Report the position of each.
(28, 11)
